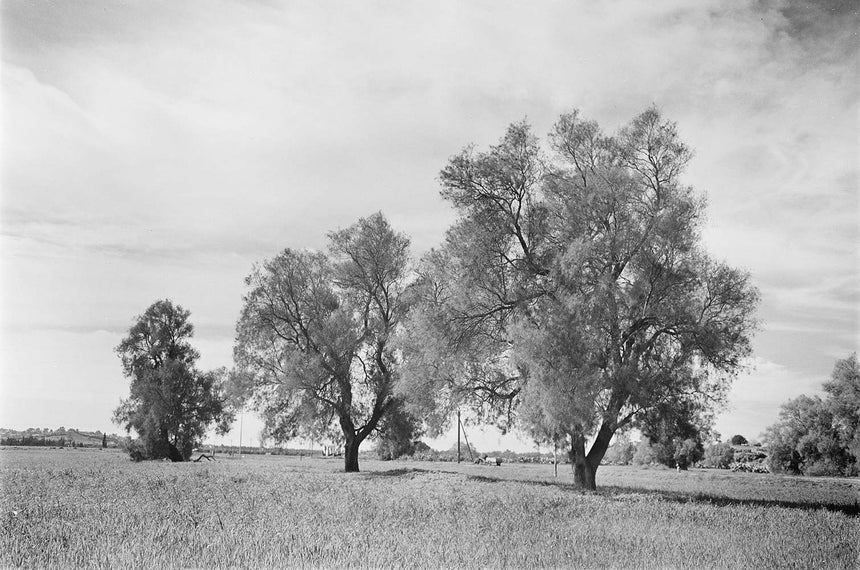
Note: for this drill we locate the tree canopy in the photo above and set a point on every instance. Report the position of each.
(572, 293)
(171, 403)
(314, 338)
(820, 436)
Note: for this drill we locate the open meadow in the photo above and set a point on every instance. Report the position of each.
(96, 509)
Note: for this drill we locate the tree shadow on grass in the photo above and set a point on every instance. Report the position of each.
(624, 493)
(396, 472)
(723, 501)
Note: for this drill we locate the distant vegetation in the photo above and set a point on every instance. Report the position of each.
(816, 436)
(61, 437)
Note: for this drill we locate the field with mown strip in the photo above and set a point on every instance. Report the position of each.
(94, 509)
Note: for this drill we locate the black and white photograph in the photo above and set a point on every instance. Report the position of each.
(451, 284)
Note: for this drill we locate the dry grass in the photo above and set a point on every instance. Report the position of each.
(62, 509)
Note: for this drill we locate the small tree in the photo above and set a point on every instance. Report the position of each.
(739, 440)
(104, 441)
(171, 404)
(314, 339)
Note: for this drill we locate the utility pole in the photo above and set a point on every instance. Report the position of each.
(466, 437)
(458, 436)
(241, 417)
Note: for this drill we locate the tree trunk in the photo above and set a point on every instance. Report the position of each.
(583, 471)
(584, 476)
(585, 465)
(350, 454)
(600, 445)
(173, 453)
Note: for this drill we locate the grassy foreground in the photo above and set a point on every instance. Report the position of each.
(62, 509)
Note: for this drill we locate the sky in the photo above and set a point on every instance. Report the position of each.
(155, 150)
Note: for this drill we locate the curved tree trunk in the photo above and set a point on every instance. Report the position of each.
(585, 465)
(583, 471)
(174, 454)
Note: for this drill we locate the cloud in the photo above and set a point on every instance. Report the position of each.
(156, 150)
(752, 406)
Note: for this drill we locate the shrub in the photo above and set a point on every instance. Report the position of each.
(719, 456)
(749, 467)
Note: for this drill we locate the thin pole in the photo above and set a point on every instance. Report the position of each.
(241, 417)
(469, 447)
(458, 436)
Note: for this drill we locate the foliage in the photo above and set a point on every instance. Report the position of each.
(739, 440)
(718, 456)
(313, 344)
(399, 432)
(744, 467)
(575, 285)
(816, 436)
(171, 403)
(843, 399)
(621, 452)
(645, 454)
(676, 430)
(33, 441)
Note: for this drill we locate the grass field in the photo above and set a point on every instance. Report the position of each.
(62, 509)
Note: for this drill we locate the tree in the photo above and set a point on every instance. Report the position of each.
(843, 398)
(104, 441)
(171, 403)
(574, 287)
(739, 440)
(816, 436)
(314, 337)
(675, 430)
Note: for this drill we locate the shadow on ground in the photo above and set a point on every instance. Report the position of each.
(623, 493)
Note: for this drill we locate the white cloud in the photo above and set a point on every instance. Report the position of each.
(756, 397)
(157, 150)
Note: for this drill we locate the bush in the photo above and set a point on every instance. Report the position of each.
(135, 450)
(749, 467)
(739, 440)
(750, 455)
(719, 456)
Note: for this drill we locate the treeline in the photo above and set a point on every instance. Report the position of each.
(236, 450)
(689, 453)
(36, 441)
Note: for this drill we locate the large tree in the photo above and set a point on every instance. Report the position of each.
(314, 337)
(574, 286)
(820, 436)
(171, 403)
